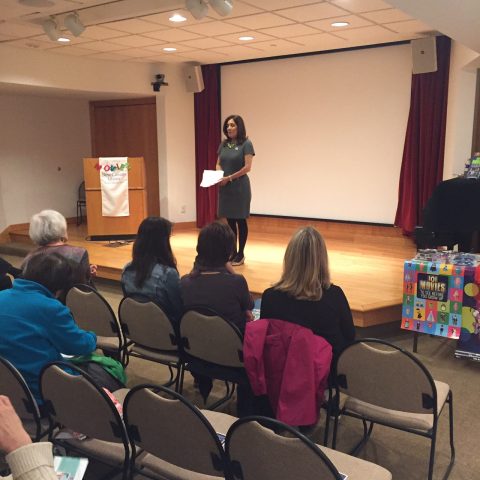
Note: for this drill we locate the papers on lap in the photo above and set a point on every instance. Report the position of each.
(211, 177)
(70, 468)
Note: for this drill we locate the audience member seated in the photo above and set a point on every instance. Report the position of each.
(153, 269)
(36, 328)
(48, 230)
(27, 460)
(6, 269)
(304, 294)
(213, 283)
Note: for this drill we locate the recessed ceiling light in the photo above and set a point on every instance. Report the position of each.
(340, 24)
(169, 49)
(177, 18)
(63, 39)
(36, 3)
(245, 39)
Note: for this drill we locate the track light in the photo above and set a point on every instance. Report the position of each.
(222, 7)
(198, 8)
(73, 23)
(50, 27)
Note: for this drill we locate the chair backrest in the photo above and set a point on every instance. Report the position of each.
(92, 312)
(209, 337)
(73, 400)
(256, 452)
(146, 324)
(168, 426)
(13, 385)
(380, 373)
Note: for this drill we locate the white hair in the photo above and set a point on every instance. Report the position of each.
(47, 226)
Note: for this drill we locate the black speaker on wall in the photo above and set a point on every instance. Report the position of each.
(194, 78)
(424, 55)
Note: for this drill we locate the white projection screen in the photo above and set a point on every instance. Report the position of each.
(328, 131)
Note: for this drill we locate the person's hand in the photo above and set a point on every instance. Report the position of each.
(224, 181)
(12, 433)
(93, 270)
(249, 315)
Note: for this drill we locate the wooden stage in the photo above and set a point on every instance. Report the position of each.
(365, 260)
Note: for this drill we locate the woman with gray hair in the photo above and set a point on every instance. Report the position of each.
(48, 230)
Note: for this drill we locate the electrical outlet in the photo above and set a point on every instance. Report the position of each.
(183, 209)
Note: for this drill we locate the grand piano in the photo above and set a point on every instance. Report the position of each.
(452, 216)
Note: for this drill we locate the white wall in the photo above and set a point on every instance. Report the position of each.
(460, 110)
(328, 131)
(176, 147)
(43, 141)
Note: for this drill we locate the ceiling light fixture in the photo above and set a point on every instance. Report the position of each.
(63, 40)
(50, 27)
(340, 24)
(222, 7)
(245, 39)
(177, 18)
(169, 49)
(74, 24)
(198, 8)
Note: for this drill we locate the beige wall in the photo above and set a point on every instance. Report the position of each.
(43, 141)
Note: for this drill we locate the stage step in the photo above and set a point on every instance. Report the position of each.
(19, 249)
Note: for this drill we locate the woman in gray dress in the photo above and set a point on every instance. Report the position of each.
(235, 155)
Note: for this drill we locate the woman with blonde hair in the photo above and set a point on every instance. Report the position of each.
(305, 295)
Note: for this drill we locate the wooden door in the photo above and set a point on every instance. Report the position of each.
(128, 128)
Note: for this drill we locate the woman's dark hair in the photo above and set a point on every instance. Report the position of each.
(152, 246)
(51, 270)
(215, 246)
(241, 132)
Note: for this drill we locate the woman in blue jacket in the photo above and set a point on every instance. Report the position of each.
(36, 327)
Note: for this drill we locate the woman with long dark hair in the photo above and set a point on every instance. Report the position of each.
(235, 155)
(153, 269)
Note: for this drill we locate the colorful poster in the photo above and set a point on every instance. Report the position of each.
(432, 298)
(114, 186)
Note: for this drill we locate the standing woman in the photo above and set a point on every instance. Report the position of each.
(235, 155)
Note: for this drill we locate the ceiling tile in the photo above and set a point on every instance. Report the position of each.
(326, 25)
(214, 28)
(206, 43)
(376, 33)
(294, 30)
(99, 32)
(205, 56)
(109, 56)
(410, 26)
(32, 43)
(258, 37)
(239, 9)
(276, 45)
(239, 50)
(17, 30)
(261, 20)
(134, 41)
(133, 26)
(358, 6)
(135, 52)
(387, 16)
(322, 41)
(71, 50)
(277, 4)
(102, 46)
(312, 12)
(173, 35)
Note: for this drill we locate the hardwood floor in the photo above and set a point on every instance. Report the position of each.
(366, 261)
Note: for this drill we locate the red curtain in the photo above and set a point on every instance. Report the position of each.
(207, 139)
(423, 153)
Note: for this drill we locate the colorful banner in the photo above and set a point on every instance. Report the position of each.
(114, 186)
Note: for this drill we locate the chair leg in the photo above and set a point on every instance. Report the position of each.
(224, 399)
(364, 440)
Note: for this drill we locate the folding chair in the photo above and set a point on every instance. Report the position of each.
(181, 441)
(92, 312)
(212, 346)
(14, 386)
(75, 402)
(389, 386)
(255, 452)
(149, 334)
